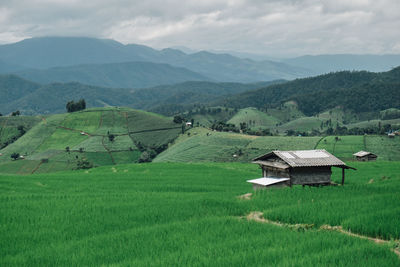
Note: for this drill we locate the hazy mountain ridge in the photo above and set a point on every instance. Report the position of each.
(48, 52)
(115, 75)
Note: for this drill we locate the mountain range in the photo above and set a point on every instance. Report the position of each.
(104, 62)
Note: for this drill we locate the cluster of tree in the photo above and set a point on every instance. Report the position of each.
(342, 130)
(83, 163)
(224, 127)
(76, 106)
(149, 152)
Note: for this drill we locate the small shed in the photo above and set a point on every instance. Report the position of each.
(298, 167)
(365, 156)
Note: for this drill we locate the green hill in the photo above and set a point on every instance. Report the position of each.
(254, 119)
(59, 141)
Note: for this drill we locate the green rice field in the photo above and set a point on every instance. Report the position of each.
(189, 214)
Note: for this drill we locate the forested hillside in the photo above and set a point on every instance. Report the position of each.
(355, 90)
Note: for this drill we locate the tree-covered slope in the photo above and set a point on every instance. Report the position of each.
(115, 75)
(355, 90)
(12, 88)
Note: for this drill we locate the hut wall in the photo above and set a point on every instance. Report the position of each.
(310, 175)
(367, 158)
(275, 172)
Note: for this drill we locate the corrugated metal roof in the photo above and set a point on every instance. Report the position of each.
(304, 158)
(362, 153)
(265, 181)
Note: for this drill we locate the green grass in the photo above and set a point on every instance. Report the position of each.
(345, 147)
(254, 119)
(386, 148)
(189, 215)
(304, 124)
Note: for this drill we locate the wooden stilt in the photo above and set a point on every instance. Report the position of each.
(342, 176)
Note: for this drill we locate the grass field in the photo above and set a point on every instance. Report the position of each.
(87, 132)
(386, 148)
(174, 214)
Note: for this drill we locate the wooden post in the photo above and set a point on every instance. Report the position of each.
(342, 176)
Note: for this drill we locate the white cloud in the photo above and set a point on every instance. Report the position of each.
(274, 27)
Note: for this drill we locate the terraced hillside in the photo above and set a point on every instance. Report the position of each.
(100, 136)
(203, 145)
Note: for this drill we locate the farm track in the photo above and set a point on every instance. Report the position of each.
(36, 168)
(108, 150)
(258, 217)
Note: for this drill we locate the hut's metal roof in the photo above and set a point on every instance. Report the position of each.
(362, 153)
(266, 181)
(304, 158)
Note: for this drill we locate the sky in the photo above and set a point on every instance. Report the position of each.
(268, 27)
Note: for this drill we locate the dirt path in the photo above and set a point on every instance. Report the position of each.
(245, 196)
(258, 217)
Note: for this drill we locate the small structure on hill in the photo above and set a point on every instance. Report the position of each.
(365, 156)
(301, 167)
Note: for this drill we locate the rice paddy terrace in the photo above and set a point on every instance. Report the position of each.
(102, 136)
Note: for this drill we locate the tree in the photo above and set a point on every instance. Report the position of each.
(21, 130)
(16, 113)
(15, 156)
(178, 119)
(111, 137)
(67, 149)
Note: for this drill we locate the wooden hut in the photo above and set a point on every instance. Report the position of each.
(301, 167)
(365, 156)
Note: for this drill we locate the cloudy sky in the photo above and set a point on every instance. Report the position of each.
(270, 27)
